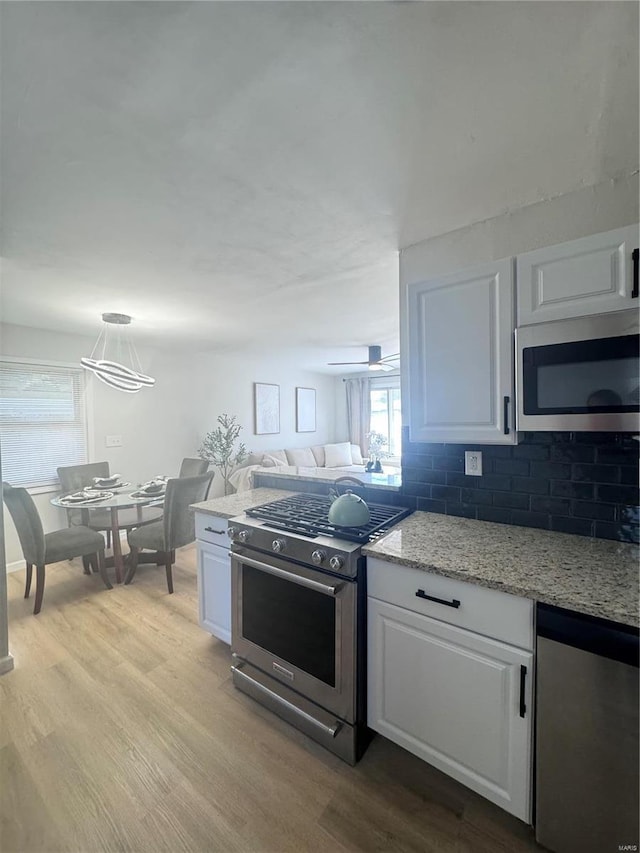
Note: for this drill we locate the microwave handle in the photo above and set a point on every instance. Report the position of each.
(634, 290)
(505, 414)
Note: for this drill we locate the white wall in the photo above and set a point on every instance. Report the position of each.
(591, 210)
(224, 384)
(161, 425)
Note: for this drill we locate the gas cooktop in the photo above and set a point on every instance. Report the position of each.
(307, 515)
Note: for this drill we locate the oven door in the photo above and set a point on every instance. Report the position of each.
(579, 375)
(297, 625)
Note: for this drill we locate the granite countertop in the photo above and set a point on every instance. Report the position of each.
(231, 505)
(391, 480)
(593, 576)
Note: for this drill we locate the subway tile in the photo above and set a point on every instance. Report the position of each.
(461, 510)
(567, 489)
(596, 473)
(530, 451)
(618, 494)
(476, 496)
(496, 482)
(519, 467)
(428, 476)
(511, 500)
(617, 455)
(592, 509)
(531, 485)
(551, 470)
(606, 530)
(554, 506)
(445, 493)
(427, 505)
(530, 519)
(629, 475)
(572, 453)
(418, 490)
(449, 463)
(496, 514)
(416, 460)
(581, 526)
(456, 479)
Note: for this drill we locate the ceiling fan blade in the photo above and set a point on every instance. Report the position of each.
(394, 357)
(334, 363)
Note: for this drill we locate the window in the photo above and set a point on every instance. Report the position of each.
(386, 415)
(42, 421)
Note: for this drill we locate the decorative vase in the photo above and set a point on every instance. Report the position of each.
(369, 466)
(377, 468)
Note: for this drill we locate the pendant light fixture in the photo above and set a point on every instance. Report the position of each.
(113, 372)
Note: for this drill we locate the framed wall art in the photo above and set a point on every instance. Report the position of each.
(266, 404)
(305, 409)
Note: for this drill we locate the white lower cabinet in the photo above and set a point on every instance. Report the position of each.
(457, 699)
(214, 579)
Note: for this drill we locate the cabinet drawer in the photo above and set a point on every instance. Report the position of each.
(210, 528)
(485, 611)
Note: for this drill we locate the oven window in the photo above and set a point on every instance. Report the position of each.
(583, 377)
(291, 622)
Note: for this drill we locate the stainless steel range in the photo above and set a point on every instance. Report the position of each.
(299, 616)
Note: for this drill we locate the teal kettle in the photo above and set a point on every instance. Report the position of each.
(348, 510)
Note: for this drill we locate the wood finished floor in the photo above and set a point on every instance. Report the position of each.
(120, 730)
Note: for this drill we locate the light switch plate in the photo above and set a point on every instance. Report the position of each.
(473, 463)
(113, 440)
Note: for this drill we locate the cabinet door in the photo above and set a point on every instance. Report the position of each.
(461, 356)
(592, 275)
(453, 698)
(214, 590)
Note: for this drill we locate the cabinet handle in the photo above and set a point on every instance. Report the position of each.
(213, 530)
(505, 414)
(422, 594)
(523, 678)
(634, 291)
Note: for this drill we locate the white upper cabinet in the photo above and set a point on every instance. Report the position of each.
(461, 357)
(592, 275)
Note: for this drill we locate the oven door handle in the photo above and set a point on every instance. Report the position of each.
(327, 589)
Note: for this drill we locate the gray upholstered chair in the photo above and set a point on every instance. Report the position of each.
(175, 529)
(40, 548)
(193, 467)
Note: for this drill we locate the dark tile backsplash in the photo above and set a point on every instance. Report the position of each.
(584, 483)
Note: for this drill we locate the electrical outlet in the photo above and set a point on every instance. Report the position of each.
(473, 463)
(113, 440)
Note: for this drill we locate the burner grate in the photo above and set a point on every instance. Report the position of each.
(307, 515)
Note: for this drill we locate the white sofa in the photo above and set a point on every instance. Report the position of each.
(343, 458)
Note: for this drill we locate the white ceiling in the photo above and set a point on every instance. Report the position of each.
(244, 173)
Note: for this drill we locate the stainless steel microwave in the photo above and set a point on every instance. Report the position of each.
(579, 375)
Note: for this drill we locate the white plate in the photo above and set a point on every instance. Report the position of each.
(77, 499)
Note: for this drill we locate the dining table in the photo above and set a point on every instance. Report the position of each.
(125, 497)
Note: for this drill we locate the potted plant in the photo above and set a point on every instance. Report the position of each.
(377, 451)
(219, 447)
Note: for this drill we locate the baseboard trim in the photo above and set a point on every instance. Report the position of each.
(15, 566)
(6, 664)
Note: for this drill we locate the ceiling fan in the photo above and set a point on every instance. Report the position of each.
(375, 361)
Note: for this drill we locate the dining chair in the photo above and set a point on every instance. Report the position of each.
(193, 467)
(40, 549)
(174, 530)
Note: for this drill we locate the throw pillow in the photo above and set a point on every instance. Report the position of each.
(302, 457)
(356, 455)
(338, 455)
(269, 461)
(318, 453)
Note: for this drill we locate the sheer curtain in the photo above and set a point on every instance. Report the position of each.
(359, 411)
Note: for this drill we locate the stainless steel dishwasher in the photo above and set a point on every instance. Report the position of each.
(586, 733)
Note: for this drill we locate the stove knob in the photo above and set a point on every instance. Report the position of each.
(233, 532)
(278, 545)
(318, 557)
(336, 563)
(243, 536)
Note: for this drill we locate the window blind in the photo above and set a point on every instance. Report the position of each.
(42, 421)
